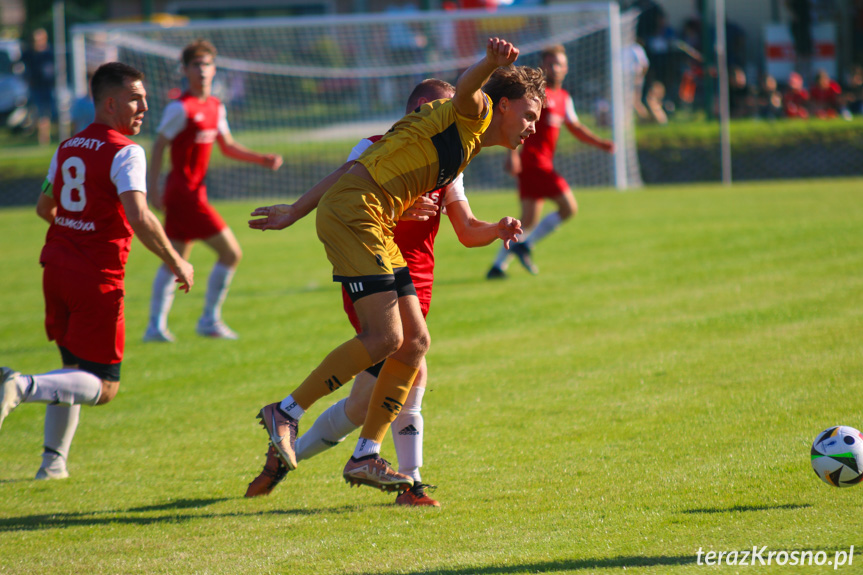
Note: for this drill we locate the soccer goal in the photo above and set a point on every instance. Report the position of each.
(310, 87)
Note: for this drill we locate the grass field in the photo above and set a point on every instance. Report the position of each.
(652, 393)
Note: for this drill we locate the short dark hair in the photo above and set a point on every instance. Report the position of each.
(514, 82)
(430, 89)
(111, 76)
(198, 48)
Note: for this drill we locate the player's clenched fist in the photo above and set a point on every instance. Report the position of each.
(500, 52)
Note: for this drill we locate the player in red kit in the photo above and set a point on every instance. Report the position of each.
(95, 199)
(190, 125)
(534, 167)
(415, 238)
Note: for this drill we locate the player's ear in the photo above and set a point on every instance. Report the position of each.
(503, 104)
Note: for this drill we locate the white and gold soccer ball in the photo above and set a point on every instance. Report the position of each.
(837, 456)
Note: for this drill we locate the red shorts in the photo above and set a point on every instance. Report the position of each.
(425, 304)
(84, 314)
(537, 183)
(191, 219)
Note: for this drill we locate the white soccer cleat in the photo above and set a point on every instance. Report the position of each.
(10, 394)
(158, 336)
(53, 468)
(216, 330)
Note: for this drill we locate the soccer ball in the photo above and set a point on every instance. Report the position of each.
(837, 456)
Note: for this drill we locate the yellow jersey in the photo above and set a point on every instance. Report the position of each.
(424, 151)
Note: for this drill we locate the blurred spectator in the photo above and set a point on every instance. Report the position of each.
(636, 64)
(741, 98)
(769, 99)
(654, 100)
(83, 112)
(801, 33)
(824, 96)
(795, 100)
(692, 68)
(661, 50)
(39, 69)
(854, 91)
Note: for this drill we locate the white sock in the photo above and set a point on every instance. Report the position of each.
(64, 386)
(408, 434)
(366, 447)
(548, 224)
(61, 421)
(329, 429)
(290, 407)
(164, 288)
(217, 291)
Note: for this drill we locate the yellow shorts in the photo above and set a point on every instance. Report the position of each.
(356, 233)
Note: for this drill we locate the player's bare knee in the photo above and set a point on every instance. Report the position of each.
(568, 210)
(421, 342)
(232, 258)
(381, 345)
(109, 391)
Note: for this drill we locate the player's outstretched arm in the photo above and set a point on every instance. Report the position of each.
(281, 216)
(580, 131)
(149, 230)
(468, 99)
(474, 233)
(234, 150)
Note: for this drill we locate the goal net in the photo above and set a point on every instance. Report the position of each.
(310, 87)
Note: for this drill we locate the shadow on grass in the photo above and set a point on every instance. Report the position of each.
(748, 508)
(130, 516)
(566, 566)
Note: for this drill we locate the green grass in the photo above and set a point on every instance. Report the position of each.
(653, 392)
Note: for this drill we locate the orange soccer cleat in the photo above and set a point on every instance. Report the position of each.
(416, 496)
(274, 471)
(375, 472)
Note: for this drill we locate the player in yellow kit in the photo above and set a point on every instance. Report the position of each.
(495, 104)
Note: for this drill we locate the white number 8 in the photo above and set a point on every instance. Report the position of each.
(73, 183)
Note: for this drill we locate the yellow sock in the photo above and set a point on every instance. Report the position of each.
(391, 391)
(338, 368)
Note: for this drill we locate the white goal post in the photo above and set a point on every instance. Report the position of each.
(310, 87)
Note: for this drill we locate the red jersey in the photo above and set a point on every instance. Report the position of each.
(192, 125)
(88, 172)
(538, 149)
(827, 95)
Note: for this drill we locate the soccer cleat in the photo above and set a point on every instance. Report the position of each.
(155, 335)
(416, 496)
(523, 252)
(376, 472)
(10, 395)
(274, 471)
(216, 330)
(495, 273)
(53, 468)
(282, 430)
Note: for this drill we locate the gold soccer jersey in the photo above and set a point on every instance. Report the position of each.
(424, 151)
